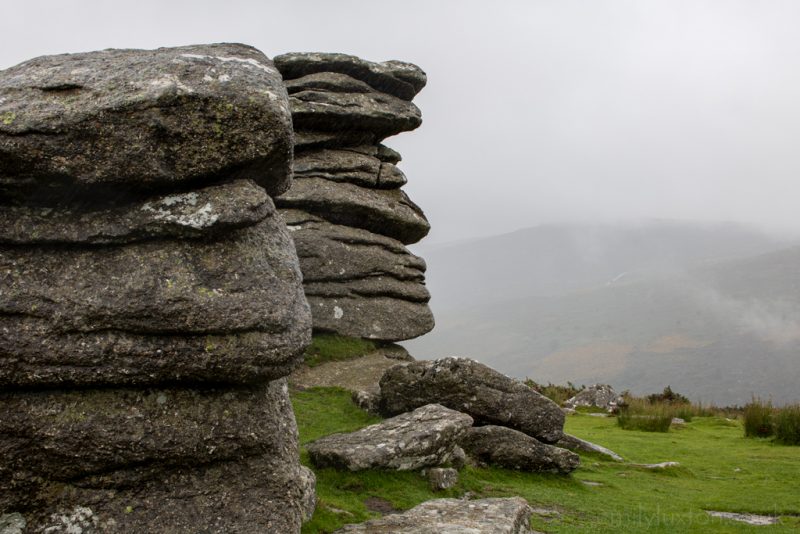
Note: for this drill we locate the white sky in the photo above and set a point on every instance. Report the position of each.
(535, 111)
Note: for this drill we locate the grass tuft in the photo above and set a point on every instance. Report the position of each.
(787, 425)
(642, 415)
(332, 347)
(758, 419)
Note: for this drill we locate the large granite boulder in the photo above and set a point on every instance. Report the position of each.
(506, 447)
(473, 388)
(143, 119)
(446, 516)
(152, 297)
(424, 437)
(349, 217)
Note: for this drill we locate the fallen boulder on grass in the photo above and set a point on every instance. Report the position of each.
(472, 388)
(577, 444)
(505, 447)
(425, 437)
(450, 516)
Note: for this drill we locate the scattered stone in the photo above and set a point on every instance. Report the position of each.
(369, 401)
(442, 478)
(424, 437)
(485, 516)
(591, 483)
(577, 444)
(750, 519)
(678, 421)
(473, 388)
(656, 467)
(597, 395)
(505, 447)
(143, 119)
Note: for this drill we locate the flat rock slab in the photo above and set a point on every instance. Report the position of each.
(422, 438)
(230, 309)
(358, 374)
(397, 78)
(388, 212)
(144, 119)
(165, 461)
(577, 444)
(453, 516)
(473, 388)
(505, 447)
(348, 166)
(750, 519)
(206, 212)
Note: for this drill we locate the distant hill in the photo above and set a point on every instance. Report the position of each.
(712, 310)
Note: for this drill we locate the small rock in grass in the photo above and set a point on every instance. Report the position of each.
(442, 478)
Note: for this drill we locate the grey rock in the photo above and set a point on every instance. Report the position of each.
(484, 516)
(458, 459)
(262, 488)
(210, 211)
(424, 437)
(657, 467)
(333, 82)
(473, 388)
(369, 401)
(143, 119)
(348, 166)
(506, 447)
(386, 212)
(379, 114)
(229, 310)
(12, 523)
(597, 395)
(310, 139)
(360, 284)
(398, 78)
(577, 444)
(442, 478)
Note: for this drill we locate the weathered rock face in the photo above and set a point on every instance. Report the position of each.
(598, 395)
(151, 299)
(473, 388)
(181, 114)
(348, 216)
(487, 516)
(424, 437)
(505, 447)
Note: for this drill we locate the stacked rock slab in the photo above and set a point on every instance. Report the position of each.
(349, 217)
(150, 296)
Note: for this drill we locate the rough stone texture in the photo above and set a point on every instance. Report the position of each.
(577, 444)
(424, 437)
(386, 212)
(597, 395)
(506, 447)
(473, 388)
(211, 211)
(181, 461)
(442, 478)
(348, 166)
(12, 524)
(453, 516)
(143, 119)
(403, 80)
(358, 283)
(378, 114)
(367, 400)
(459, 458)
(153, 311)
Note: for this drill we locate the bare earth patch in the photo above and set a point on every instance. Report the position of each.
(358, 374)
(750, 519)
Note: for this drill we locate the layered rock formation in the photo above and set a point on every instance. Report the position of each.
(349, 217)
(150, 296)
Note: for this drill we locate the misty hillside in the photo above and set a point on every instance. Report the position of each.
(713, 311)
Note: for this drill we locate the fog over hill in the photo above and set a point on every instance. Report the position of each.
(712, 310)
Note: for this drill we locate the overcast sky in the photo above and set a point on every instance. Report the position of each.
(535, 111)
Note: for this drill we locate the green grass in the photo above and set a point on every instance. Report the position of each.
(758, 419)
(720, 470)
(331, 347)
(646, 416)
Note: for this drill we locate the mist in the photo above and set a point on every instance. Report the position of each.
(536, 112)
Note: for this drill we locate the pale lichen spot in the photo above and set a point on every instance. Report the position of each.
(338, 313)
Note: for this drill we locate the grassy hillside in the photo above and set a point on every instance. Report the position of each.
(719, 333)
(720, 470)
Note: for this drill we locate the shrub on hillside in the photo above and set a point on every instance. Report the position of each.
(668, 396)
(643, 415)
(787, 425)
(555, 393)
(758, 419)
